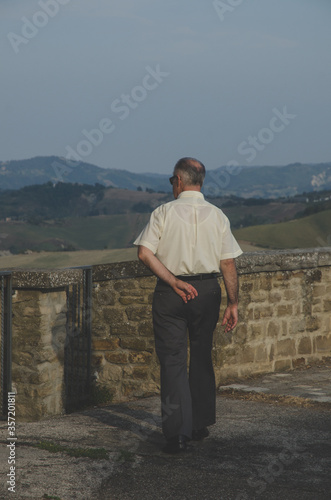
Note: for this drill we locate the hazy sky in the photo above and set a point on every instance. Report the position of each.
(137, 84)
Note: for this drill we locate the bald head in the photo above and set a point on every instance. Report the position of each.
(191, 171)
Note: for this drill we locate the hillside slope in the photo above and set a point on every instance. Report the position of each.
(74, 233)
(308, 232)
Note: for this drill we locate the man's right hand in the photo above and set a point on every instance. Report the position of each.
(230, 318)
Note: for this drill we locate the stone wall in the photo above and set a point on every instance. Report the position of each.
(284, 323)
(38, 339)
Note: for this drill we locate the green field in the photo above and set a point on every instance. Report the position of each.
(56, 260)
(79, 233)
(308, 232)
(107, 239)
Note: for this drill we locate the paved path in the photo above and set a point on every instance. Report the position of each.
(313, 384)
(266, 445)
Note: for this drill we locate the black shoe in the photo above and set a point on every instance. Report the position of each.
(200, 434)
(176, 444)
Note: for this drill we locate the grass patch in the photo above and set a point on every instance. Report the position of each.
(273, 399)
(93, 453)
(53, 260)
(125, 456)
(49, 497)
(100, 395)
(308, 232)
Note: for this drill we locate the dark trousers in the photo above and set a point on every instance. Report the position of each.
(187, 401)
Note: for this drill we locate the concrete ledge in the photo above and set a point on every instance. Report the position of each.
(283, 260)
(40, 279)
(248, 263)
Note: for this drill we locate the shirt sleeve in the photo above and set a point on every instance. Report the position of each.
(151, 234)
(230, 248)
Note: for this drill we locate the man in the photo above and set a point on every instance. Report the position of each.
(185, 244)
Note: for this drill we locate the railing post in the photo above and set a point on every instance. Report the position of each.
(78, 341)
(6, 339)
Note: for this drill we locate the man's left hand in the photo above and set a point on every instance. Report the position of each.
(184, 290)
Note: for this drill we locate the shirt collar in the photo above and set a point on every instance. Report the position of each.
(194, 194)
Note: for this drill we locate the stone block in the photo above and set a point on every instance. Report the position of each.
(135, 343)
(105, 344)
(281, 280)
(305, 346)
(319, 290)
(140, 357)
(240, 332)
(261, 354)
(132, 388)
(263, 282)
(247, 354)
(222, 339)
(317, 307)
(232, 356)
(96, 360)
(284, 310)
(104, 298)
(282, 365)
(292, 294)
(22, 358)
(273, 329)
(145, 328)
(110, 373)
(299, 362)
(312, 323)
(263, 312)
(275, 297)
(323, 343)
(125, 284)
(122, 328)
(117, 357)
(132, 293)
(255, 330)
(137, 372)
(112, 315)
(249, 313)
(138, 313)
(126, 301)
(327, 305)
(285, 328)
(297, 326)
(313, 275)
(246, 286)
(285, 347)
(260, 296)
(147, 283)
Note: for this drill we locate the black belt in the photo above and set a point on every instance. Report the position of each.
(194, 277)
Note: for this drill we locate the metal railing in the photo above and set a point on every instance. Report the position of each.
(77, 352)
(6, 339)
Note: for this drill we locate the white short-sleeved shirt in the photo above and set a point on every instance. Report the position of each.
(189, 235)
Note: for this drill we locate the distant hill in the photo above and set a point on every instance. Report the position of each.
(258, 182)
(55, 201)
(42, 169)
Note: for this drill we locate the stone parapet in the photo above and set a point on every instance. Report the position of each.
(284, 320)
(284, 323)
